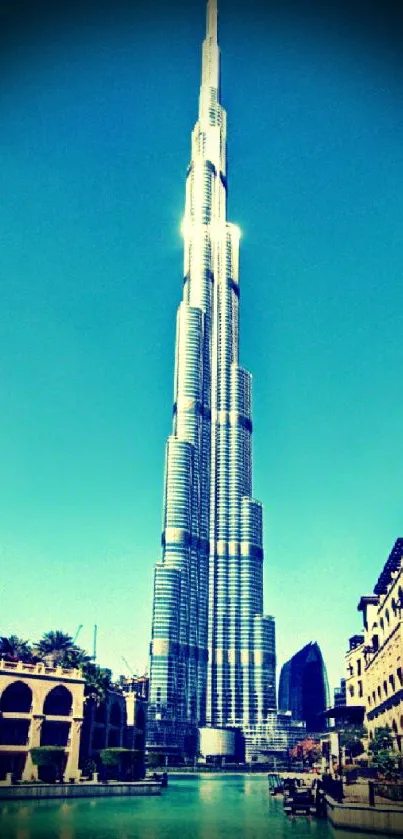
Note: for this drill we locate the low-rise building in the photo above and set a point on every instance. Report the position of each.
(374, 662)
(39, 706)
(104, 725)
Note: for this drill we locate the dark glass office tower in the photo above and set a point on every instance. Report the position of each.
(212, 649)
(304, 688)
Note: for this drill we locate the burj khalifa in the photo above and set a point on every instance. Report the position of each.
(212, 654)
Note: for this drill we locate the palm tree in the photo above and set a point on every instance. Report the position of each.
(98, 680)
(14, 648)
(57, 648)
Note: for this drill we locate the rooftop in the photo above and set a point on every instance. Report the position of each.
(393, 563)
(22, 668)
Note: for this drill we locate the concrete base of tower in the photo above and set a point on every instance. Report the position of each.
(216, 745)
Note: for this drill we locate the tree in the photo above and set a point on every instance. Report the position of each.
(50, 757)
(308, 750)
(127, 763)
(351, 739)
(98, 680)
(14, 648)
(381, 741)
(57, 648)
(386, 762)
(384, 759)
(155, 759)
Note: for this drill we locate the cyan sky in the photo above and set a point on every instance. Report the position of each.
(95, 136)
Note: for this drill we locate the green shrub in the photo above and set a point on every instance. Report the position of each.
(127, 763)
(89, 767)
(50, 757)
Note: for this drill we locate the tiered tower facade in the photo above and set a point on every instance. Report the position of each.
(212, 649)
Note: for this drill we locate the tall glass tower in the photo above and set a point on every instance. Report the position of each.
(212, 649)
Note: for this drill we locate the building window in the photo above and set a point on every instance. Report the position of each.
(360, 690)
(359, 667)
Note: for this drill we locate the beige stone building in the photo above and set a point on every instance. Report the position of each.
(374, 663)
(39, 706)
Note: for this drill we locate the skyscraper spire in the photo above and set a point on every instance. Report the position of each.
(212, 650)
(211, 53)
(211, 30)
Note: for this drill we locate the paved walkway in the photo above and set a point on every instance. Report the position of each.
(358, 794)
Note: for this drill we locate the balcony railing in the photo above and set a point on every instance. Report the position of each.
(39, 668)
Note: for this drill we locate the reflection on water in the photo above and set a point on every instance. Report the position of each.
(209, 807)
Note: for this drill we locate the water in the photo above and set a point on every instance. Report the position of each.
(205, 807)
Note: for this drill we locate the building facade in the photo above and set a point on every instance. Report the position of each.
(339, 694)
(275, 736)
(104, 725)
(374, 665)
(303, 687)
(39, 706)
(212, 648)
(355, 664)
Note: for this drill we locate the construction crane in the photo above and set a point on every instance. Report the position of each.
(78, 630)
(130, 669)
(94, 646)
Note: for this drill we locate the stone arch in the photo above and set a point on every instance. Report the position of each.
(113, 737)
(58, 702)
(16, 697)
(100, 713)
(115, 715)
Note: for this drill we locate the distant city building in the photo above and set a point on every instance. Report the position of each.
(339, 696)
(39, 706)
(374, 660)
(276, 736)
(212, 647)
(303, 687)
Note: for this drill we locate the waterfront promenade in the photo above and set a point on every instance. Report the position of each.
(36, 792)
(193, 807)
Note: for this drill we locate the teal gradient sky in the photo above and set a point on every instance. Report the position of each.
(95, 138)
